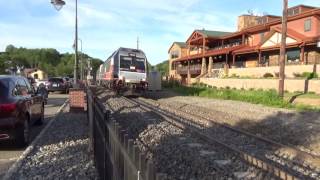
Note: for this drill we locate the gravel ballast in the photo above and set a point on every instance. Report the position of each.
(174, 151)
(62, 151)
(300, 129)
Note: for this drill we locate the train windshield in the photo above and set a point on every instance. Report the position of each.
(132, 64)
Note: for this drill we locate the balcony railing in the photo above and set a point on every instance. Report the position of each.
(194, 69)
(226, 46)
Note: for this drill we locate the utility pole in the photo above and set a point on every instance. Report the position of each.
(75, 73)
(137, 42)
(283, 48)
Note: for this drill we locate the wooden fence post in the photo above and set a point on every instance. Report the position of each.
(125, 168)
(142, 165)
(160, 176)
(121, 160)
(117, 151)
(150, 170)
(129, 150)
(105, 148)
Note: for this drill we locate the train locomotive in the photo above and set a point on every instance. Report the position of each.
(125, 71)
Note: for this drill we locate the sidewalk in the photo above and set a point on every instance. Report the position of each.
(62, 151)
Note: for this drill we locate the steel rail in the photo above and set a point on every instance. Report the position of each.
(312, 159)
(276, 169)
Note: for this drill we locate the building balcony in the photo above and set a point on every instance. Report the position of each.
(194, 69)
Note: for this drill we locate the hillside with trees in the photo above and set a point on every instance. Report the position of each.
(47, 59)
(163, 68)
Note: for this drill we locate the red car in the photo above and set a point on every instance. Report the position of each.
(20, 107)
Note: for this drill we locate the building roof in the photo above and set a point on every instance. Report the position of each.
(212, 52)
(302, 5)
(180, 44)
(207, 33)
(246, 49)
(260, 27)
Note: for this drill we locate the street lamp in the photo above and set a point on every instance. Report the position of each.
(81, 60)
(58, 4)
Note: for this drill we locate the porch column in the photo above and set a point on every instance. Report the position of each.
(188, 74)
(243, 38)
(210, 66)
(233, 59)
(227, 58)
(203, 66)
(203, 46)
(302, 59)
(259, 59)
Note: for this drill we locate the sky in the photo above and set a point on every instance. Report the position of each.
(106, 25)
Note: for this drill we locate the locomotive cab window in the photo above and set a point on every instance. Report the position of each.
(133, 64)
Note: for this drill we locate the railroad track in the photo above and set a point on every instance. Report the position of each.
(212, 169)
(257, 151)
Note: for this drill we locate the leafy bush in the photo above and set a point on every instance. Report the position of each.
(170, 84)
(268, 75)
(265, 97)
(309, 75)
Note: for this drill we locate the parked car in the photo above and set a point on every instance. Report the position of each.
(20, 107)
(57, 84)
(32, 82)
(68, 80)
(45, 82)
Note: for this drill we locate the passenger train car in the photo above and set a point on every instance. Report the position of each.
(124, 71)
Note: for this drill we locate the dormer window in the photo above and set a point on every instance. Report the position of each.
(307, 25)
(293, 11)
(262, 20)
(175, 54)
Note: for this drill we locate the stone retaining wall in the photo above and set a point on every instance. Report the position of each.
(260, 71)
(291, 85)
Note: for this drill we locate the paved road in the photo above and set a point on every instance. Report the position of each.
(9, 154)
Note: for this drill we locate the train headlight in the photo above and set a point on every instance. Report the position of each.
(143, 79)
(121, 77)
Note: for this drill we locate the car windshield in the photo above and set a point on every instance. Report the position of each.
(133, 64)
(59, 80)
(4, 87)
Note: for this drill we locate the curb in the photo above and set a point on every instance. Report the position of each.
(28, 150)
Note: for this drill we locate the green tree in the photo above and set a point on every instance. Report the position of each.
(47, 59)
(163, 68)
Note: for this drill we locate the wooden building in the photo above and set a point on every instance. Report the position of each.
(255, 44)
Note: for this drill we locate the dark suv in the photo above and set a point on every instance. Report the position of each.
(20, 107)
(57, 84)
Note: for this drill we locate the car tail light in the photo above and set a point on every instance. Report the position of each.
(7, 107)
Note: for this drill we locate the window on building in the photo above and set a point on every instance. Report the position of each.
(261, 37)
(293, 56)
(264, 60)
(174, 54)
(307, 25)
(293, 11)
(173, 66)
(262, 20)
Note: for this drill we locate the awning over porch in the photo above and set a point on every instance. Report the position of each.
(212, 52)
(246, 50)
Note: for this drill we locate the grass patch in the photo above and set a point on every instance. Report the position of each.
(267, 98)
(307, 95)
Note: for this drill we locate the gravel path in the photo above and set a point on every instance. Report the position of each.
(176, 152)
(62, 152)
(301, 129)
